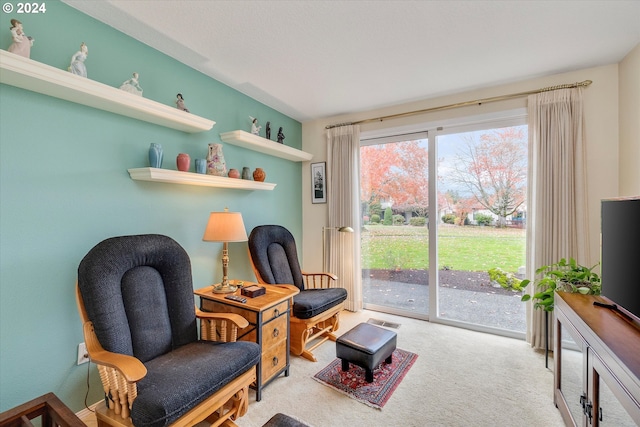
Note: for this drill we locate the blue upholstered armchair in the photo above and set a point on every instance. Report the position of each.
(135, 297)
(317, 307)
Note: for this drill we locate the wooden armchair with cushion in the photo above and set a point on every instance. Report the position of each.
(135, 297)
(316, 309)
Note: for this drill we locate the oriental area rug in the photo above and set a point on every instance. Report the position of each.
(386, 379)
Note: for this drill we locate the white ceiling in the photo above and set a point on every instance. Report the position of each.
(314, 59)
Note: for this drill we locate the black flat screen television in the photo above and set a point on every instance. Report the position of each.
(620, 257)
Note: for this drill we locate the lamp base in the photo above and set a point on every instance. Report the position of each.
(219, 288)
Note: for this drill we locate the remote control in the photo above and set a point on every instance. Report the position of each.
(236, 298)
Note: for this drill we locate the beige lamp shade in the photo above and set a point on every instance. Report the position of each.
(225, 227)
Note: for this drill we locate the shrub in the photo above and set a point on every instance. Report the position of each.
(375, 219)
(483, 219)
(388, 217)
(504, 279)
(418, 221)
(449, 218)
(398, 219)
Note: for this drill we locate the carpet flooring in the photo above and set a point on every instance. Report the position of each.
(460, 378)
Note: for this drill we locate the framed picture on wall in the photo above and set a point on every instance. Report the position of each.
(318, 182)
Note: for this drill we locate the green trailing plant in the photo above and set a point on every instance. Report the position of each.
(565, 276)
(505, 279)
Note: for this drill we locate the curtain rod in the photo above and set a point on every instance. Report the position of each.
(465, 104)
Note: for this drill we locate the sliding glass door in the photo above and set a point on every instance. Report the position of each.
(394, 198)
(482, 182)
(444, 224)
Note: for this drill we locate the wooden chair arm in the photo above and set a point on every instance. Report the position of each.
(131, 368)
(319, 280)
(238, 320)
(288, 287)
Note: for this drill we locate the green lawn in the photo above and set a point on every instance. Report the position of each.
(460, 248)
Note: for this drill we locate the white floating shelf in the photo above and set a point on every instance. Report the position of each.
(25, 73)
(190, 178)
(257, 143)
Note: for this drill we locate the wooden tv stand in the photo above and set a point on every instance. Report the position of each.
(597, 363)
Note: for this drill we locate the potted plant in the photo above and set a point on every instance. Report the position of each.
(562, 276)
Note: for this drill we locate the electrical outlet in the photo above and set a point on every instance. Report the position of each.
(83, 355)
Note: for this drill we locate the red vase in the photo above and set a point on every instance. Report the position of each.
(183, 162)
(233, 173)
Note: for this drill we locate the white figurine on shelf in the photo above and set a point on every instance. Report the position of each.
(77, 66)
(21, 42)
(255, 129)
(180, 103)
(132, 85)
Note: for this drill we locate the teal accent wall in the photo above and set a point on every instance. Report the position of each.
(64, 187)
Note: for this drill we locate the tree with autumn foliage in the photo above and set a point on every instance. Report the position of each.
(395, 172)
(494, 169)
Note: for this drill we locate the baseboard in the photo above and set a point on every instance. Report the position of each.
(88, 412)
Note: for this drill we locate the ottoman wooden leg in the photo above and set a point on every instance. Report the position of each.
(389, 359)
(345, 365)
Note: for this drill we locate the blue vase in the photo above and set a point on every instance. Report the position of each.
(155, 155)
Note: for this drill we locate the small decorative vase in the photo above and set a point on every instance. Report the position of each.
(201, 165)
(245, 173)
(215, 161)
(183, 161)
(259, 175)
(155, 155)
(233, 173)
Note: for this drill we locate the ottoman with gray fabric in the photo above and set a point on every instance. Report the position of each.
(282, 420)
(366, 345)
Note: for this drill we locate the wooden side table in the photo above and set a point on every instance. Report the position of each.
(268, 317)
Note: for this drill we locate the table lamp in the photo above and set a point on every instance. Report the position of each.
(225, 227)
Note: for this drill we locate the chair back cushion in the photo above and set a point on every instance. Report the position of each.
(138, 292)
(274, 256)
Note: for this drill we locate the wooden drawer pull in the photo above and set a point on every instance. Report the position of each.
(276, 332)
(276, 312)
(275, 361)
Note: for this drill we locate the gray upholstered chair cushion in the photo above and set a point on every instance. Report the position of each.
(138, 293)
(273, 252)
(312, 302)
(177, 381)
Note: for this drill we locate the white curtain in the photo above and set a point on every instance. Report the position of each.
(343, 204)
(557, 194)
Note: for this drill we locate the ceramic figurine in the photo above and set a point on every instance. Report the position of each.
(280, 136)
(77, 66)
(180, 103)
(215, 161)
(233, 173)
(132, 86)
(255, 129)
(268, 131)
(21, 42)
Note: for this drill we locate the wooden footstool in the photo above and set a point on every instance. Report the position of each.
(366, 345)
